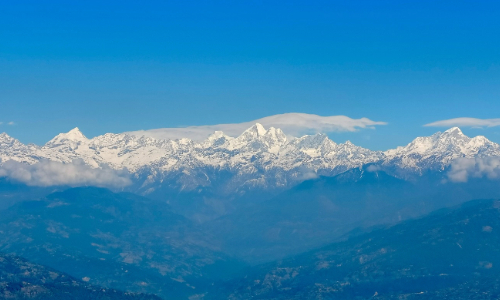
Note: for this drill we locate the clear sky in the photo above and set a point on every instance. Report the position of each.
(115, 66)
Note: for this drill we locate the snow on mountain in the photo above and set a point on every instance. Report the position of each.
(436, 152)
(12, 149)
(258, 157)
(72, 138)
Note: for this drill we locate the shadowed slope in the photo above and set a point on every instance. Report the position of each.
(21, 279)
(450, 254)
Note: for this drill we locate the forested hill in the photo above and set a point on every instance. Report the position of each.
(21, 279)
(449, 254)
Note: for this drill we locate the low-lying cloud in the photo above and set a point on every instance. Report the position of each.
(464, 168)
(51, 173)
(465, 122)
(294, 124)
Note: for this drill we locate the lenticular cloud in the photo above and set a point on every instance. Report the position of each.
(294, 124)
(465, 122)
(51, 173)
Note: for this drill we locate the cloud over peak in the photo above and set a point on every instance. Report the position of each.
(294, 124)
(465, 122)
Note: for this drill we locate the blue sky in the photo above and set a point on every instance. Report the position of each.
(115, 66)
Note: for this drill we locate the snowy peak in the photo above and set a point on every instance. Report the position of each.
(312, 141)
(254, 131)
(217, 135)
(438, 150)
(438, 142)
(252, 155)
(451, 136)
(75, 132)
(74, 135)
(70, 140)
(276, 133)
(454, 131)
(274, 137)
(5, 138)
(257, 138)
(9, 143)
(217, 139)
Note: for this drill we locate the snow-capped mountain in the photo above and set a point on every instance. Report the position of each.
(259, 157)
(436, 152)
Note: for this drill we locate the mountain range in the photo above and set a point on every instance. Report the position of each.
(214, 173)
(225, 217)
(253, 155)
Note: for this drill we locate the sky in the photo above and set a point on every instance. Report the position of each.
(117, 66)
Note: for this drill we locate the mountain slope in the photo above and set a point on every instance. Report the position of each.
(260, 163)
(322, 210)
(21, 279)
(115, 240)
(450, 254)
(436, 152)
(311, 214)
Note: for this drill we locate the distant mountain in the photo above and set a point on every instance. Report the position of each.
(213, 175)
(21, 279)
(319, 211)
(14, 192)
(449, 254)
(309, 215)
(114, 240)
(436, 152)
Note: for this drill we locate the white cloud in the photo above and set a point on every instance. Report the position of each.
(374, 168)
(305, 173)
(11, 123)
(50, 173)
(464, 168)
(294, 124)
(465, 122)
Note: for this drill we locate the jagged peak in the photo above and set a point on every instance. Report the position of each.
(217, 135)
(184, 141)
(441, 143)
(317, 136)
(256, 130)
(4, 135)
(454, 131)
(439, 137)
(480, 140)
(276, 133)
(312, 141)
(216, 139)
(74, 135)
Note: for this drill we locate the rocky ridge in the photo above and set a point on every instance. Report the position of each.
(259, 157)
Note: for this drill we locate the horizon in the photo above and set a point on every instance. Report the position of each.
(116, 68)
(289, 137)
